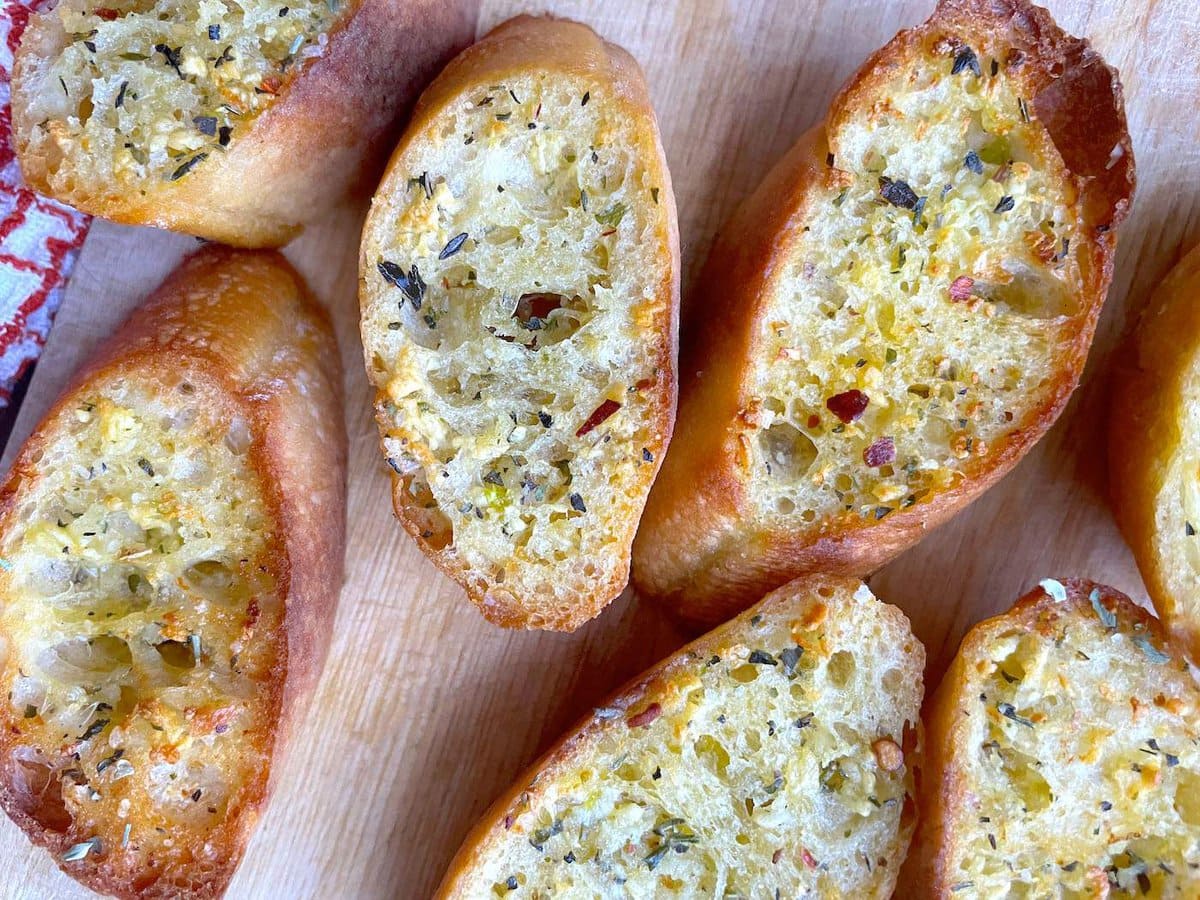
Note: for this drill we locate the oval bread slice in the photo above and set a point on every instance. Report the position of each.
(772, 757)
(171, 542)
(1154, 455)
(897, 314)
(519, 290)
(238, 122)
(1062, 757)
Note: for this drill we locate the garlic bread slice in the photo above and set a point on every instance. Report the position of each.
(238, 122)
(1154, 450)
(519, 293)
(1062, 757)
(171, 540)
(772, 757)
(897, 314)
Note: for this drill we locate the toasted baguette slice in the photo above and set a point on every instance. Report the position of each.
(172, 539)
(1062, 757)
(519, 288)
(772, 757)
(1154, 450)
(898, 313)
(238, 122)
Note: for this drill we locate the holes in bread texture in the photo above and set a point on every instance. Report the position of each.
(143, 91)
(514, 321)
(141, 621)
(1078, 757)
(714, 785)
(922, 312)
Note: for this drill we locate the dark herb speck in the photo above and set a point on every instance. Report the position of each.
(897, 193)
(453, 246)
(966, 60)
(188, 166)
(973, 162)
(410, 283)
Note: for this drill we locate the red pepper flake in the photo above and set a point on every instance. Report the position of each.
(645, 717)
(849, 405)
(776, 856)
(809, 859)
(814, 420)
(270, 85)
(602, 412)
(108, 15)
(880, 453)
(961, 287)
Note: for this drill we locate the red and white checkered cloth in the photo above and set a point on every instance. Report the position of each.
(39, 238)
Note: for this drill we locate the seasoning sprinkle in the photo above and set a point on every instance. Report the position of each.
(790, 658)
(973, 162)
(962, 288)
(453, 246)
(1006, 203)
(848, 406)
(1107, 617)
(612, 216)
(587, 95)
(121, 95)
(410, 283)
(1188, 529)
(1054, 589)
(966, 60)
(880, 453)
(1009, 712)
(188, 166)
(645, 717)
(647, 456)
(172, 55)
(125, 834)
(762, 658)
(206, 125)
(897, 193)
(214, 32)
(1153, 653)
(81, 850)
(223, 135)
(577, 503)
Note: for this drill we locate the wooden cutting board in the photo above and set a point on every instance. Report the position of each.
(426, 712)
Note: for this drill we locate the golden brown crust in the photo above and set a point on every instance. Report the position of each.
(545, 44)
(1146, 434)
(942, 787)
(245, 324)
(694, 551)
(324, 136)
(802, 598)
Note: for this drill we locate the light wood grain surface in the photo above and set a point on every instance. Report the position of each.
(426, 712)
